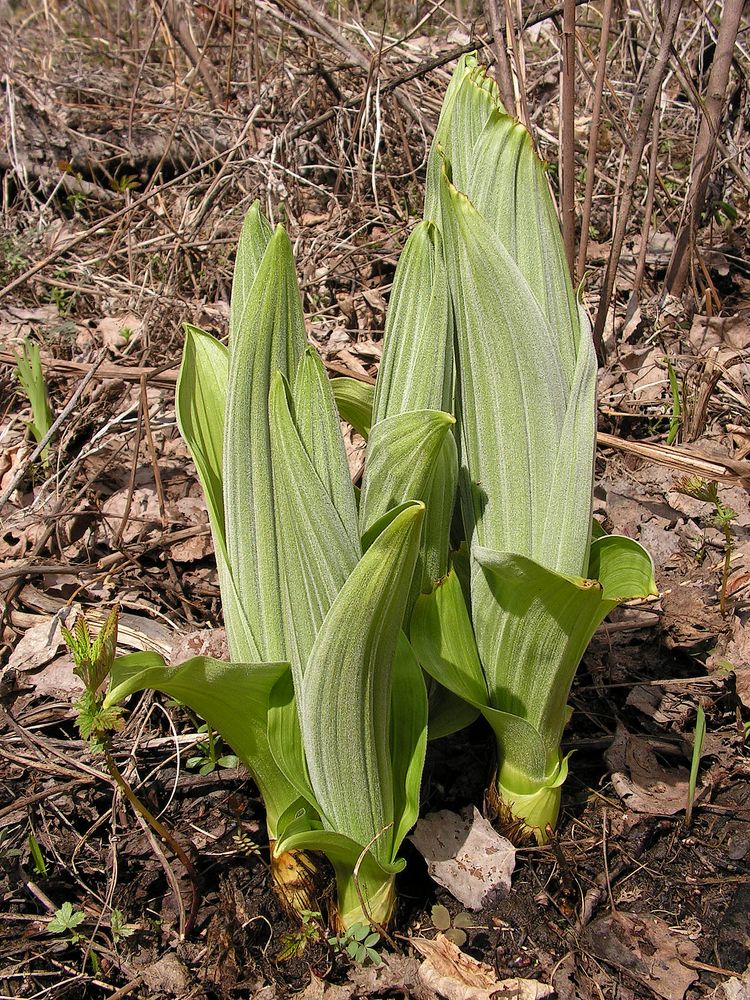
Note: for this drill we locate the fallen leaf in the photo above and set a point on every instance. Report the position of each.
(395, 973)
(457, 976)
(641, 781)
(465, 855)
(143, 516)
(647, 949)
(734, 989)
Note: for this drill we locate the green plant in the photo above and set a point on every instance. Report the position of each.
(293, 945)
(31, 377)
(323, 700)
(207, 754)
(65, 921)
(358, 942)
(722, 517)
(674, 420)
(454, 928)
(40, 865)
(698, 739)
(118, 927)
(507, 626)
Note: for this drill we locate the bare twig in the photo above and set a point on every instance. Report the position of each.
(601, 69)
(655, 78)
(567, 133)
(705, 146)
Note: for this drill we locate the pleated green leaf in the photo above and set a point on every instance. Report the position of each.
(354, 400)
(254, 239)
(511, 389)
(408, 739)
(270, 338)
(317, 423)
(346, 689)
(416, 370)
(470, 99)
(318, 553)
(200, 402)
(232, 698)
(508, 186)
(623, 567)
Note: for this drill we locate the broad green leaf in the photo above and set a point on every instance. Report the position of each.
(567, 528)
(317, 550)
(416, 371)
(200, 402)
(408, 739)
(232, 698)
(508, 186)
(254, 239)
(317, 423)
(624, 569)
(347, 689)
(401, 456)
(285, 738)
(469, 100)
(532, 626)
(354, 400)
(443, 639)
(510, 394)
(270, 338)
(446, 712)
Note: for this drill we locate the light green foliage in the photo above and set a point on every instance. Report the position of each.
(698, 739)
(31, 377)
(207, 756)
(65, 920)
(119, 927)
(721, 518)
(40, 865)
(92, 662)
(323, 700)
(358, 942)
(507, 627)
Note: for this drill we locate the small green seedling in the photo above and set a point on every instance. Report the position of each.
(65, 920)
(674, 420)
(358, 942)
(92, 662)
(454, 929)
(40, 865)
(207, 757)
(722, 517)
(31, 377)
(294, 944)
(698, 738)
(118, 927)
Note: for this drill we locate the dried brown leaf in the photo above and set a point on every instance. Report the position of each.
(457, 976)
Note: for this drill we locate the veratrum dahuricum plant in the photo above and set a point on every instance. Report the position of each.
(323, 699)
(506, 628)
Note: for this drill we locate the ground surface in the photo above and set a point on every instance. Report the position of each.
(132, 146)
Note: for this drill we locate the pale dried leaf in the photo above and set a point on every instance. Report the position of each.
(465, 855)
(457, 976)
(647, 949)
(640, 780)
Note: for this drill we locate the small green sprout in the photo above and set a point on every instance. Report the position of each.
(40, 865)
(31, 377)
(119, 928)
(455, 929)
(358, 942)
(92, 662)
(207, 757)
(65, 920)
(708, 491)
(699, 737)
(294, 944)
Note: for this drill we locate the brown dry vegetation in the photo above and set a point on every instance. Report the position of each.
(134, 137)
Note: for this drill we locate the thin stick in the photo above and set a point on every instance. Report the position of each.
(654, 85)
(649, 206)
(588, 198)
(705, 146)
(567, 133)
(504, 76)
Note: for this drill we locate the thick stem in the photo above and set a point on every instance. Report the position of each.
(378, 895)
(298, 880)
(526, 809)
